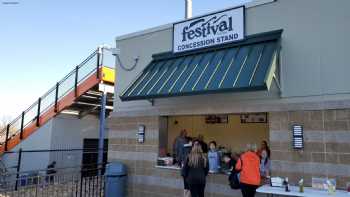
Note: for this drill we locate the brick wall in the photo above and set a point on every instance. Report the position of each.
(326, 152)
(143, 178)
(327, 145)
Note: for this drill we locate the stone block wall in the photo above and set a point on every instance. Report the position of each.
(327, 145)
(144, 179)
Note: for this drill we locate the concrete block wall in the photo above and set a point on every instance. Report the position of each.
(144, 179)
(327, 145)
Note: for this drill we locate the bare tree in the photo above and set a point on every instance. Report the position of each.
(4, 120)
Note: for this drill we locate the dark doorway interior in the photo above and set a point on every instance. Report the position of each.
(90, 156)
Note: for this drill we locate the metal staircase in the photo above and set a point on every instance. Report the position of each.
(79, 91)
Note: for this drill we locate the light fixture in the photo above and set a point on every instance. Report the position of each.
(116, 52)
(298, 137)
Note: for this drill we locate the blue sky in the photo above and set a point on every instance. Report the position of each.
(42, 40)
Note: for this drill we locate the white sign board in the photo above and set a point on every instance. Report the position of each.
(214, 29)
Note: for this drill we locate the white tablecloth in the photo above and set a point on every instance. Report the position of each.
(294, 191)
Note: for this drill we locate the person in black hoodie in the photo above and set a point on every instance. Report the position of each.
(187, 149)
(204, 145)
(195, 170)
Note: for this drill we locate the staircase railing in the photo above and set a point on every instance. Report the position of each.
(89, 66)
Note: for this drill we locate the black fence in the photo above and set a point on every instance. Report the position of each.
(66, 172)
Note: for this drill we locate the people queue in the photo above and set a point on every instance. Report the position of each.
(197, 160)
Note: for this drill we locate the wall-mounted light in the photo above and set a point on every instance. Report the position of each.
(298, 137)
(141, 134)
(116, 53)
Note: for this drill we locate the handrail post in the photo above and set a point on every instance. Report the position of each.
(98, 62)
(18, 167)
(56, 97)
(22, 126)
(76, 81)
(38, 113)
(7, 136)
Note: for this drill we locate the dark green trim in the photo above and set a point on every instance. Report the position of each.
(202, 92)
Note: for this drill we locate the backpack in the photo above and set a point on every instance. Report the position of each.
(234, 177)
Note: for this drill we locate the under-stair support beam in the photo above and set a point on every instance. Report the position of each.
(19, 161)
(102, 132)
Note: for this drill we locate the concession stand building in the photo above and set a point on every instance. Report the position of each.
(267, 70)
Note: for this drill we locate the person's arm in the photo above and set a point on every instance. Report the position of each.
(268, 166)
(238, 166)
(174, 147)
(185, 168)
(219, 159)
(206, 169)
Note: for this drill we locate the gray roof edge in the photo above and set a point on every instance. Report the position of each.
(251, 4)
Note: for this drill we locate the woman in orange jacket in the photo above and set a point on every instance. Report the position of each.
(249, 166)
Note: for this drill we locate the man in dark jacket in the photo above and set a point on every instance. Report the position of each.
(202, 143)
(178, 147)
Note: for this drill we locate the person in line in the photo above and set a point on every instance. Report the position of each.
(264, 147)
(264, 154)
(265, 165)
(214, 158)
(249, 166)
(186, 151)
(178, 146)
(195, 170)
(50, 172)
(204, 145)
(230, 160)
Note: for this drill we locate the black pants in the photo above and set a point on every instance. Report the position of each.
(248, 190)
(197, 190)
(186, 186)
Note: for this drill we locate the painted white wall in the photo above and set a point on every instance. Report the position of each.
(314, 43)
(313, 58)
(61, 132)
(40, 139)
(69, 133)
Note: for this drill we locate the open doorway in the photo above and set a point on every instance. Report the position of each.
(90, 157)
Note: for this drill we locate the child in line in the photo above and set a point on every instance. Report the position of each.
(214, 158)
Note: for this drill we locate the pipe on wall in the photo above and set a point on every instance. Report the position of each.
(188, 9)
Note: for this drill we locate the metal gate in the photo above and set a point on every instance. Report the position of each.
(57, 179)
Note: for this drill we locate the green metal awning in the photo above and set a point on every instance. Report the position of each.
(248, 65)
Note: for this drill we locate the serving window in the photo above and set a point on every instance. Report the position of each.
(231, 132)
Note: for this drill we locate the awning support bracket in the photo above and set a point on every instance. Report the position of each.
(277, 82)
(151, 101)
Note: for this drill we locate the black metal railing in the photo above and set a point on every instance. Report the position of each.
(69, 184)
(74, 178)
(71, 81)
